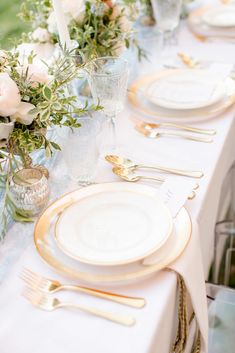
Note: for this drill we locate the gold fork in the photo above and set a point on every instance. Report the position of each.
(152, 126)
(153, 134)
(47, 285)
(48, 303)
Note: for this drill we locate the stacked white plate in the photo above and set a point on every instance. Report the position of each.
(216, 22)
(111, 233)
(179, 95)
(221, 16)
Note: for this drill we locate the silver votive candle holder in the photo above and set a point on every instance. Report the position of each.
(30, 190)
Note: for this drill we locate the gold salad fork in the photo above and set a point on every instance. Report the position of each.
(154, 126)
(154, 134)
(47, 285)
(49, 303)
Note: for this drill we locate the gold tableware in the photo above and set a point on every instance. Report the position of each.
(129, 164)
(153, 134)
(46, 285)
(49, 303)
(151, 126)
(129, 175)
(188, 61)
(47, 249)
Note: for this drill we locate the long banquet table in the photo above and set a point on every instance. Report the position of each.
(23, 329)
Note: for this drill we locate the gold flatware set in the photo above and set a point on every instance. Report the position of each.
(125, 169)
(39, 289)
(152, 126)
(48, 303)
(123, 164)
(155, 134)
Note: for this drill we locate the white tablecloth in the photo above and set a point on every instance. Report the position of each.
(22, 328)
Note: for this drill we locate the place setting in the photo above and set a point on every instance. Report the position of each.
(183, 96)
(215, 22)
(109, 185)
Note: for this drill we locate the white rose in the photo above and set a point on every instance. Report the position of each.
(23, 115)
(9, 95)
(41, 34)
(36, 72)
(41, 50)
(5, 130)
(75, 8)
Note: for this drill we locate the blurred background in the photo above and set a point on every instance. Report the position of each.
(10, 25)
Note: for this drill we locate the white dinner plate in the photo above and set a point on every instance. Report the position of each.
(107, 275)
(148, 110)
(113, 224)
(220, 16)
(186, 89)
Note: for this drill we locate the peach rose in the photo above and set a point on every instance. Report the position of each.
(9, 95)
(5, 130)
(23, 115)
(41, 50)
(124, 23)
(37, 72)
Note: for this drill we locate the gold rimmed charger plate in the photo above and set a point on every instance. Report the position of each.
(52, 255)
(203, 31)
(136, 97)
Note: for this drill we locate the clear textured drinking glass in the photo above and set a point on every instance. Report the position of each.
(80, 149)
(108, 78)
(167, 13)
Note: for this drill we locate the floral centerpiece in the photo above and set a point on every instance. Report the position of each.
(33, 98)
(99, 27)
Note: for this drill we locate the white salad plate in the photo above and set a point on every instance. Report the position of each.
(220, 16)
(113, 224)
(186, 89)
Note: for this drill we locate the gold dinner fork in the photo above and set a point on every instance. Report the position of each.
(48, 303)
(47, 285)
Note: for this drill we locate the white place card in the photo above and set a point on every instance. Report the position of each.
(175, 192)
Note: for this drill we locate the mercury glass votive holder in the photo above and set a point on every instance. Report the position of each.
(30, 190)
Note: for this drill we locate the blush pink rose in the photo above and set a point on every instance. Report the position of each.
(9, 95)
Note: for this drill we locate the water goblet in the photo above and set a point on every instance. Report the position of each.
(167, 14)
(108, 78)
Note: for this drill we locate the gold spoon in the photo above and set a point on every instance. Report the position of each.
(151, 126)
(128, 175)
(129, 164)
